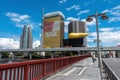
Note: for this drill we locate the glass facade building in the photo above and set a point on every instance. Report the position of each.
(26, 38)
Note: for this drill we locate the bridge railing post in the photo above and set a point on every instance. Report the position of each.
(55, 65)
(44, 69)
(1, 73)
(26, 70)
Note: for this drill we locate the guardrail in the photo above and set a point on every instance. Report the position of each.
(61, 49)
(110, 73)
(36, 69)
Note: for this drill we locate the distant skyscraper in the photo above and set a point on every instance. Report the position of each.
(53, 30)
(26, 37)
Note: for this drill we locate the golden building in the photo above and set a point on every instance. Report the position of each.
(53, 30)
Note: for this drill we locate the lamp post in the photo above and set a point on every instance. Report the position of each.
(89, 19)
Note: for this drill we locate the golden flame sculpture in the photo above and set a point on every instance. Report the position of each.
(77, 35)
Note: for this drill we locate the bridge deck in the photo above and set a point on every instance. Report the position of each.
(83, 70)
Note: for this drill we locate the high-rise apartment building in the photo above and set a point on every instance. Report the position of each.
(26, 37)
(53, 30)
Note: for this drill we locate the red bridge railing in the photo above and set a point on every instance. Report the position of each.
(36, 69)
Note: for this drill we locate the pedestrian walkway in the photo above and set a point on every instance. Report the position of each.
(83, 70)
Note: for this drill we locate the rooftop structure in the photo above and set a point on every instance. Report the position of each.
(53, 14)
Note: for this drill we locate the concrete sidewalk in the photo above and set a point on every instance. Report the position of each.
(83, 70)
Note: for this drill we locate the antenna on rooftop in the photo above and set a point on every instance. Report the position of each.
(42, 28)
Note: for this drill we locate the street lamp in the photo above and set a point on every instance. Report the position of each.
(89, 19)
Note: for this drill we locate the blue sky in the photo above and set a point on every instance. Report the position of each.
(15, 13)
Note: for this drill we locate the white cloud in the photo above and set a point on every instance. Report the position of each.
(71, 18)
(8, 43)
(107, 37)
(12, 14)
(82, 12)
(62, 1)
(117, 7)
(66, 23)
(105, 11)
(66, 29)
(89, 39)
(16, 20)
(36, 43)
(19, 19)
(118, 28)
(22, 17)
(17, 16)
(66, 26)
(114, 12)
(110, 37)
(76, 7)
(106, 29)
(114, 19)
